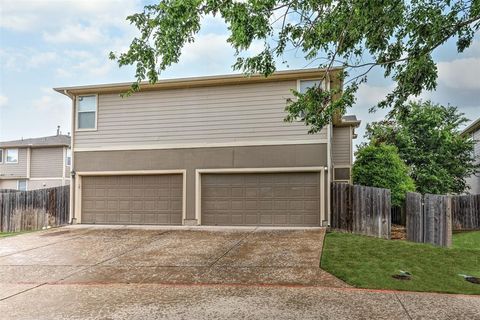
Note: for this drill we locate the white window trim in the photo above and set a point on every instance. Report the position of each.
(66, 157)
(6, 156)
(76, 112)
(311, 79)
(26, 185)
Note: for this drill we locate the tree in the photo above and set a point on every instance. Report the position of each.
(380, 166)
(397, 36)
(428, 139)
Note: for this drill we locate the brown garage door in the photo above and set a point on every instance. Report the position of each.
(149, 199)
(270, 199)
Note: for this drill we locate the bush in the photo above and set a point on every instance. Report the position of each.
(380, 166)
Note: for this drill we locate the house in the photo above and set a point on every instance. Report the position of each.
(204, 151)
(35, 163)
(473, 130)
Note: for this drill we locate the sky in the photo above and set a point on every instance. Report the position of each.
(53, 43)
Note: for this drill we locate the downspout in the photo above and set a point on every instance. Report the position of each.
(73, 219)
(329, 159)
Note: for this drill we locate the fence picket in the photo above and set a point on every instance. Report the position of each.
(33, 210)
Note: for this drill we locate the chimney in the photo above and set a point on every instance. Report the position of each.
(58, 130)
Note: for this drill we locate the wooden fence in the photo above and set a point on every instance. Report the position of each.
(360, 209)
(429, 219)
(34, 210)
(466, 212)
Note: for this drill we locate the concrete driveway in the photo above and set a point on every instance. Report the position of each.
(83, 272)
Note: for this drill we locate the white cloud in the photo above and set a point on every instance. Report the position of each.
(460, 73)
(3, 100)
(369, 96)
(75, 34)
(25, 58)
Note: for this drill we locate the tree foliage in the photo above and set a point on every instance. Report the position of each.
(380, 166)
(397, 36)
(428, 140)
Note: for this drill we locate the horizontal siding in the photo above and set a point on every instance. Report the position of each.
(15, 169)
(341, 146)
(224, 114)
(476, 138)
(8, 184)
(46, 163)
(41, 184)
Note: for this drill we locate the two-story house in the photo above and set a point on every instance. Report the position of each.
(473, 130)
(35, 163)
(204, 151)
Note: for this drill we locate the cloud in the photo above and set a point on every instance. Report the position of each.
(25, 58)
(3, 100)
(75, 34)
(460, 73)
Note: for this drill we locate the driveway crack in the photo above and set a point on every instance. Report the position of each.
(233, 247)
(403, 306)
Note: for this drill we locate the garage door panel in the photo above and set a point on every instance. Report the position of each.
(283, 199)
(278, 199)
(155, 199)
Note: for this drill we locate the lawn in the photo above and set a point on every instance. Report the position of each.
(9, 234)
(368, 262)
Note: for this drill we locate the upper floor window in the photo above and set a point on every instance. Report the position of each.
(11, 156)
(1, 155)
(68, 158)
(87, 112)
(303, 85)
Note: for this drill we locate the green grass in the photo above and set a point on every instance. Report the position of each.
(9, 234)
(368, 262)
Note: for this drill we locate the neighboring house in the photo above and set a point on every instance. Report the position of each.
(35, 163)
(473, 130)
(210, 150)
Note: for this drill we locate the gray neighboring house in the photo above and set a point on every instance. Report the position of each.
(35, 163)
(473, 130)
(204, 151)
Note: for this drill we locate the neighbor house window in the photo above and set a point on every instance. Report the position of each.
(68, 159)
(22, 185)
(1, 156)
(305, 84)
(11, 156)
(87, 112)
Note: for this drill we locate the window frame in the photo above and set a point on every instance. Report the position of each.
(6, 156)
(26, 185)
(322, 83)
(1, 156)
(67, 152)
(77, 112)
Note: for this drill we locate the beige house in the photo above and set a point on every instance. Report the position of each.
(35, 163)
(204, 151)
(473, 130)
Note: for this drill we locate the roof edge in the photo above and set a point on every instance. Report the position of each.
(471, 127)
(202, 81)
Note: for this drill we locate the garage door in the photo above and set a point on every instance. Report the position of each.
(265, 199)
(149, 199)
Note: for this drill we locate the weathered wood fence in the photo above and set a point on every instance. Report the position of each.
(429, 219)
(466, 212)
(360, 209)
(34, 210)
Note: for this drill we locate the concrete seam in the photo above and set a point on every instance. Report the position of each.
(403, 306)
(232, 247)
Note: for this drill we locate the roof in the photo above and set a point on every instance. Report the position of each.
(474, 126)
(197, 81)
(349, 121)
(51, 141)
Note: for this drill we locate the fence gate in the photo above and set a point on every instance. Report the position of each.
(429, 219)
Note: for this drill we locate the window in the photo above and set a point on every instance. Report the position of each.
(68, 158)
(1, 156)
(303, 85)
(86, 112)
(11, 156)
(22, 185)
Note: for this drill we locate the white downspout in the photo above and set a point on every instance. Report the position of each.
(72, 179)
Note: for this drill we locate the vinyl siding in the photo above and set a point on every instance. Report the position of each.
(341, 146)
(8, 184)
(476, 138)
(40, 184)
(15, 169)
(221, 114)
(46, 163)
